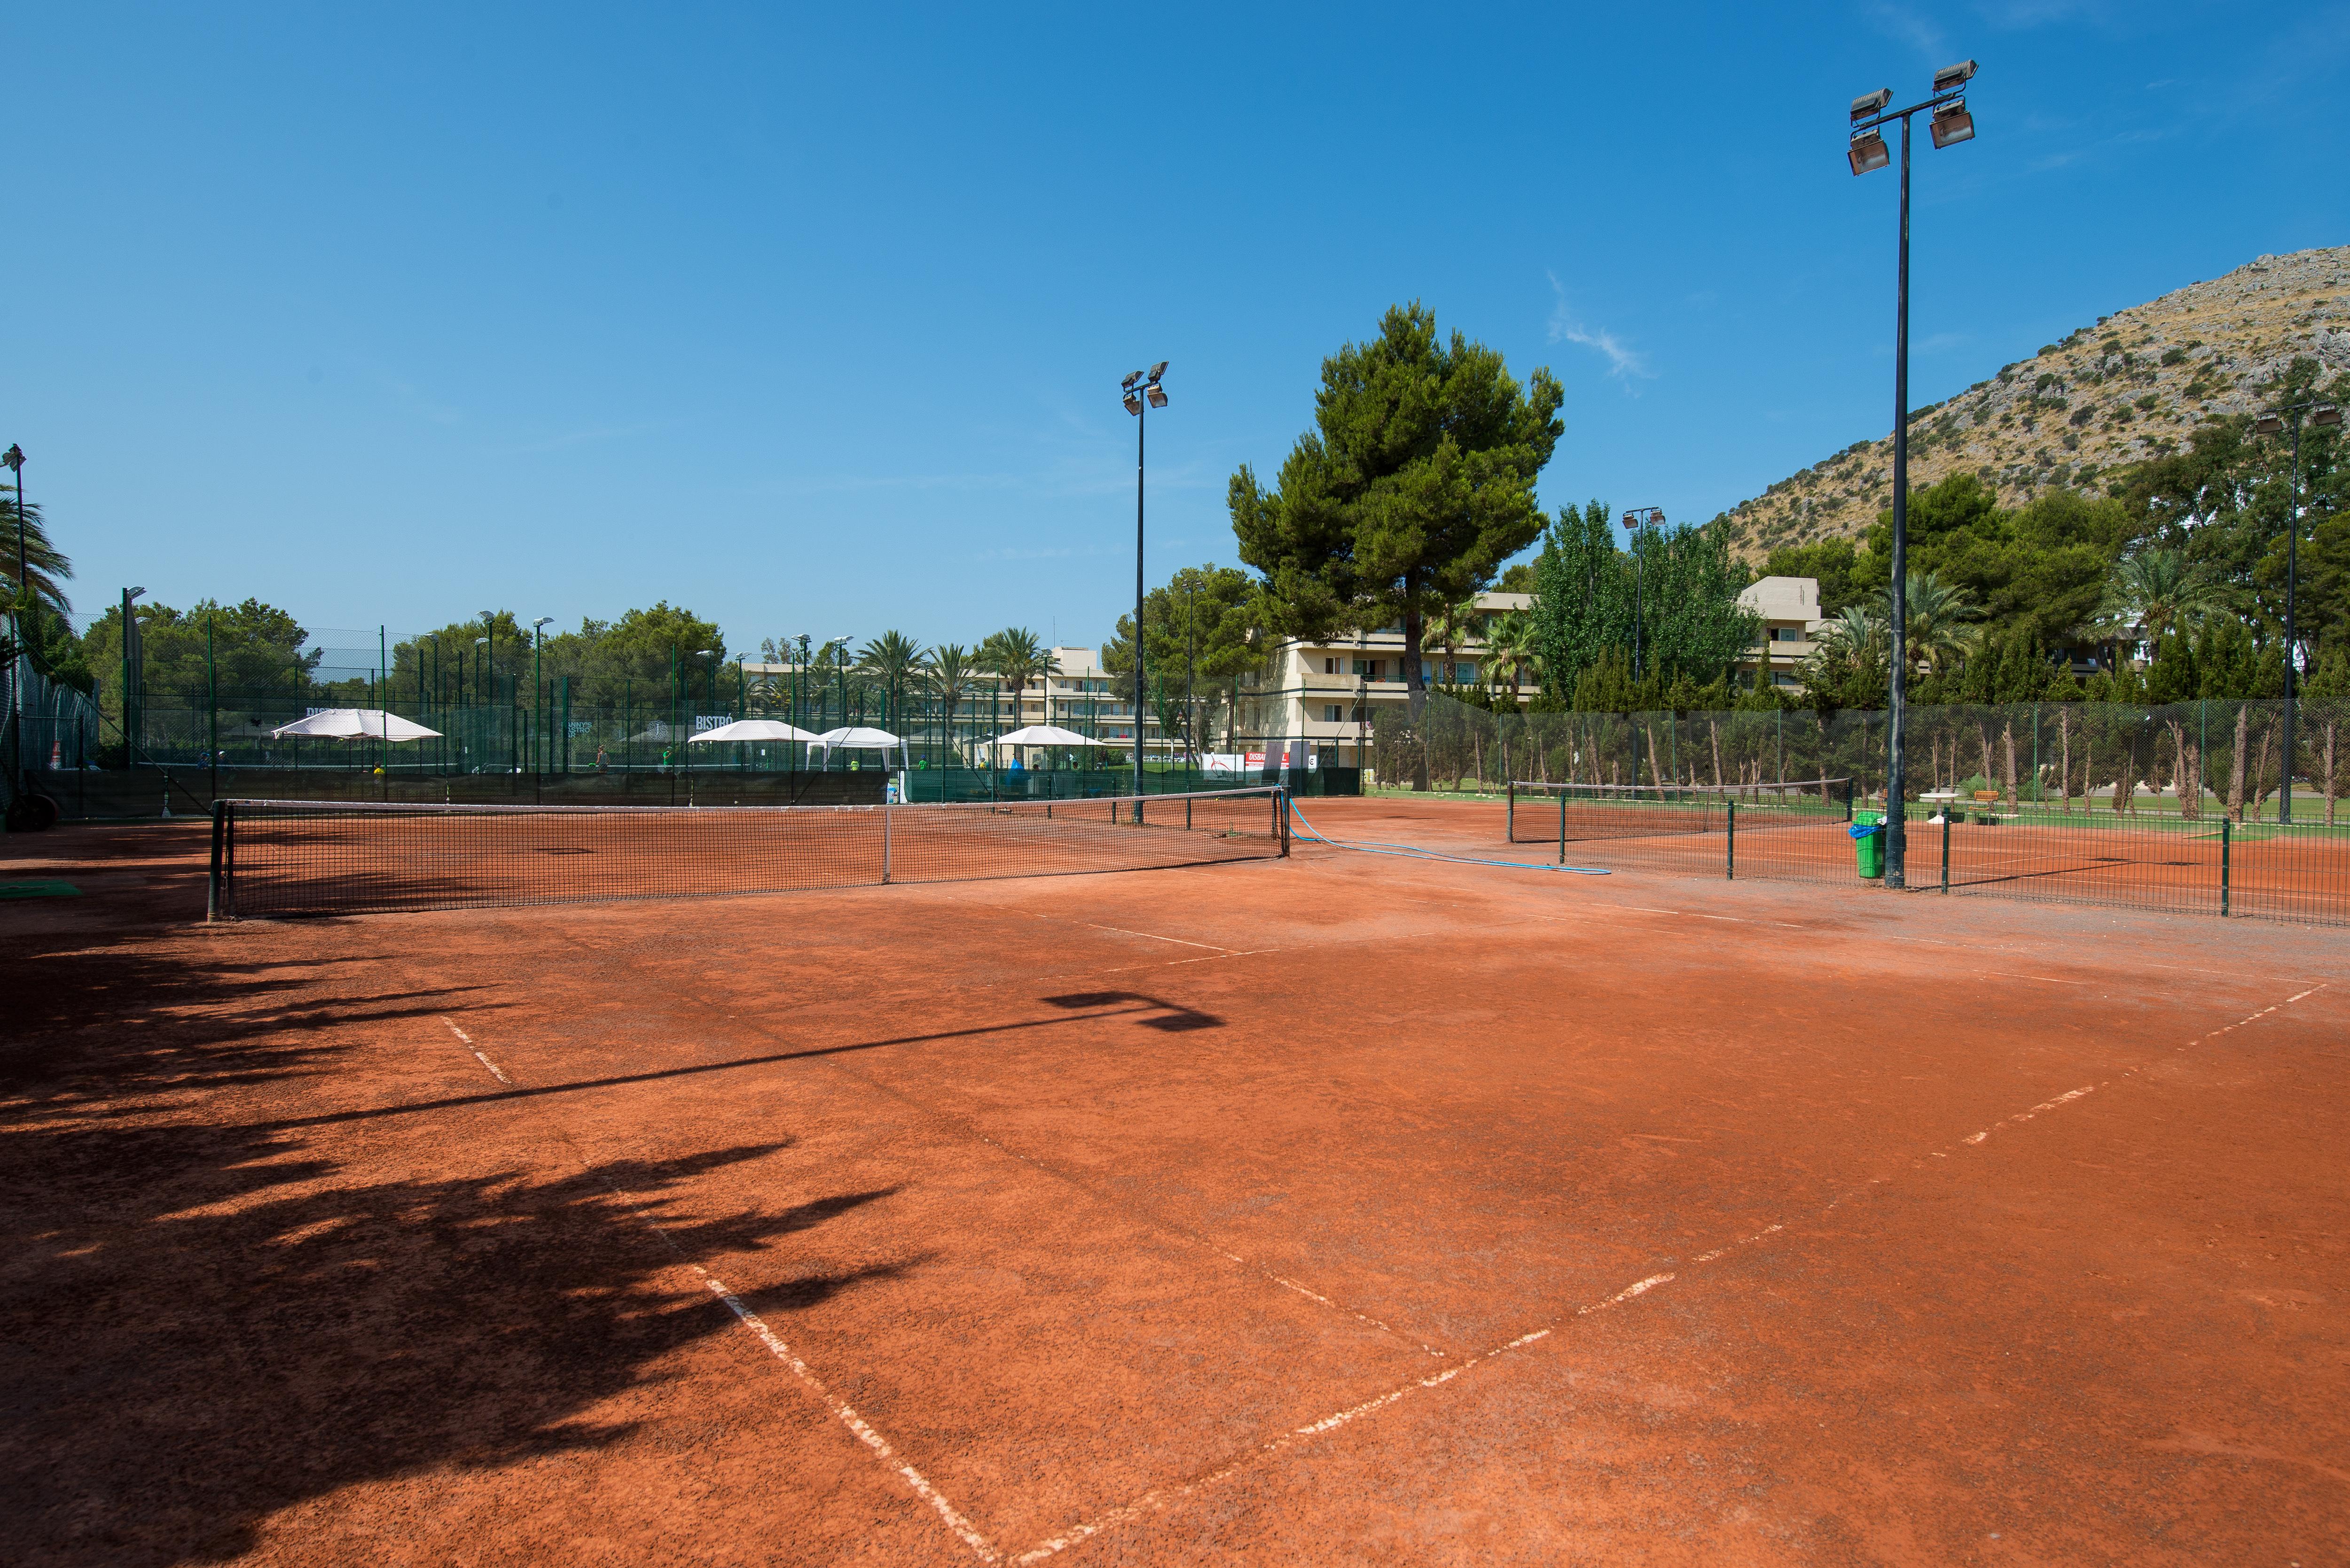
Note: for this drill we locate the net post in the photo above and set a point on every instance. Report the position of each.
(1510, 813)
(1946, 847)
(1847, 804)
(1280, 818)
(2223, 867)
(212, 878)
(1730, 871)
(1562, 827)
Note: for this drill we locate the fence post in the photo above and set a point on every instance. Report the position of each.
(1946, 847)
(213, 880)
(1562, 827)
(1731, 862)
(2224, 841)
(228, 860)
(1510, 813)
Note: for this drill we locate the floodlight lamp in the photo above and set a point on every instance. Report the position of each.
(1956, 76)
(1131, 377)
(2269, 424)
(1158, 395)
(1868, 153)
(1159, 369)
(1133, 403)
(2330, 419)
(1862, 108)
(542, 621)
(137, 593)
(479, 640)
(1952, 124)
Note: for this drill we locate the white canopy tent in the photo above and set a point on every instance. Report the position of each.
(356, 724)
(858, 737)
(754, 730)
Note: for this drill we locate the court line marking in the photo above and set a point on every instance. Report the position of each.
(484, 1061)
(1159, 1500)
(847, 1416)
(841, 1409)
(1155, 937)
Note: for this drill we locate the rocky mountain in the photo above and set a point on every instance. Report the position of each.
(2131, 387)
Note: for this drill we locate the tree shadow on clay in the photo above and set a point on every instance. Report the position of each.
(208, 1321)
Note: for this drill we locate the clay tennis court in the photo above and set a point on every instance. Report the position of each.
(1338, 1208)
(2296, 873)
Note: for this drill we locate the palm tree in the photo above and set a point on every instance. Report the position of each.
(1510, 649)
(44, 567)
(1935, 619)
(1452, 627)
(1854, 627)
(950, 673)
(1018, 656)
(893, 656)
(2158, 591)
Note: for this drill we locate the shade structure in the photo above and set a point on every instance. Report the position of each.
(1041, 735)
(356, 724)
(860, 738)
(753, 730)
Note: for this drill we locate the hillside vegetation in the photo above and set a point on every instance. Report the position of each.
(2135, 386)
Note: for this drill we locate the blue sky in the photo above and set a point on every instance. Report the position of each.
(813, 320)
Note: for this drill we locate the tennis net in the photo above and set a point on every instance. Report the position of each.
(276, 857)
(1570, 813)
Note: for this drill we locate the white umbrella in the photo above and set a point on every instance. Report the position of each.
(753, 730)
(1041, 735)
(357, 724)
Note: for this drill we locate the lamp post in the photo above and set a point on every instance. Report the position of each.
(130, 653)
(1141, 392)
(538, 696)
(1866, 153)
(15, 460)
(1649, 518)
(2328, 418)
(799, 692)
(1190, 680)
(840, 674)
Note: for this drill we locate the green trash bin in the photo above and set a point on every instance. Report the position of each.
(1868, 842)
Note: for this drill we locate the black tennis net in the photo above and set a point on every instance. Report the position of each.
(276, 857)
(1570, 813)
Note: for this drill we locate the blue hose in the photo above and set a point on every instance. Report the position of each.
(1413, 852)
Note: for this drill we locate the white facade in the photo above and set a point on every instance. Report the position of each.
(1790, 608)
(1325, 691)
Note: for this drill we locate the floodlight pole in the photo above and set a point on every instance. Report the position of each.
(1945, 97)
(1141, 424)
(1140, 393)
(1897, 699)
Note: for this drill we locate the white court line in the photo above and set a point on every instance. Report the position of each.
(484, 1061)
(848, 1417)
(840, 1409)
(1155, 937)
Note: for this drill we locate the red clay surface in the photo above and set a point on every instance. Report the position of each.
(1342, 1209)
